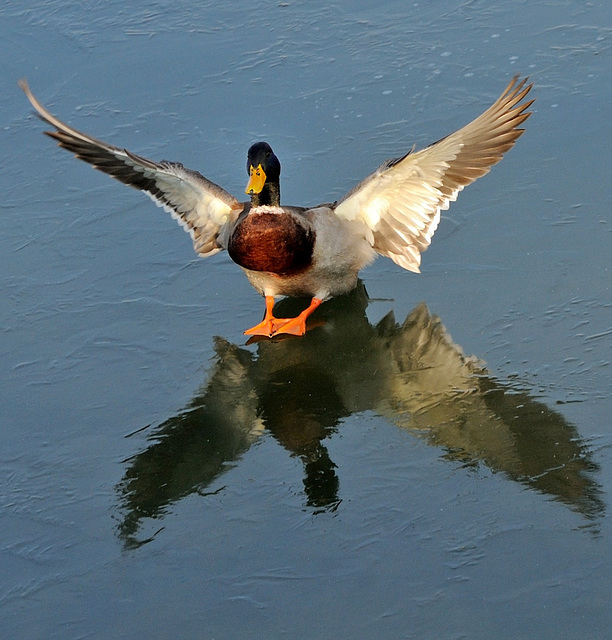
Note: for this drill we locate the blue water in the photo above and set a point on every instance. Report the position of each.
(162, 478)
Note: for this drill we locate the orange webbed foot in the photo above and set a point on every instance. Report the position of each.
(271, 326)
(297, 326)
(268, 326)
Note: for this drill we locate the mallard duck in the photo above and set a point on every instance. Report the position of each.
(316, 252)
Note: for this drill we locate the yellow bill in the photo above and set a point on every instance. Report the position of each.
(256, 181)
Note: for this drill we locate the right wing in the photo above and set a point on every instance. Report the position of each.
(201, 207)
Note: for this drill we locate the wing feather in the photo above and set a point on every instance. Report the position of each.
(201, 207)
(400, 202)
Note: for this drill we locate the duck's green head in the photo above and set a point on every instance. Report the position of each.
(263, 168)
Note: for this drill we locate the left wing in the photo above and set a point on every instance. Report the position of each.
(400, 203)
(203, 209)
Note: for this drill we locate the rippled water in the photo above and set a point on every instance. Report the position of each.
(162, 477)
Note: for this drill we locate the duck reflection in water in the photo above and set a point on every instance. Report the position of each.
(299, 391)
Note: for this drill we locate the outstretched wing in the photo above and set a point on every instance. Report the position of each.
(204, 209)
(400, 202)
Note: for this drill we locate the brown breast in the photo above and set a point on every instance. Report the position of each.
(273, 242)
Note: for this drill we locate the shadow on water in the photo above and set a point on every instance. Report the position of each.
(298, 390)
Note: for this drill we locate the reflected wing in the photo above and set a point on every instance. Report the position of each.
(203, 209)
(431, 388)
(400, 203)
(192, 449)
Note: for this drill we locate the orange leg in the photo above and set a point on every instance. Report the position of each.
(271, 326)
(267, 326)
